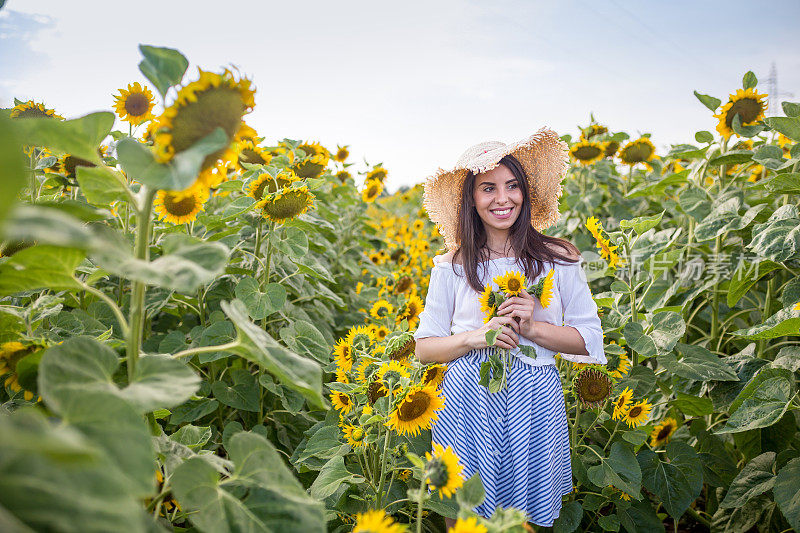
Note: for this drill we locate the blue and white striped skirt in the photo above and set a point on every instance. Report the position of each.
(517, 438)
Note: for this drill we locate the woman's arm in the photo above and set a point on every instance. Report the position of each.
(442, 349)
(564, 339)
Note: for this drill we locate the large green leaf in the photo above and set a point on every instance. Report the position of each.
(40, 267)
(244, 394)
(12, 165)
(778, 238)
(787, 492)
(789, 126)
(140, 164)
(302, 337)
(754, 479)
(677, 482)
(619, 469)
(274, 501)
(698, 363)
(55, 478)
(260, 304)
(79, 137)
(164, 67)
(784, 322)
(83, 363)
(332, 475)
(668, 327)
(747, 275)
(299, 373)
(763, 408)
(725, 217)
(101, 185)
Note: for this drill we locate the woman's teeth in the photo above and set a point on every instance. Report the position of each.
(502, 211)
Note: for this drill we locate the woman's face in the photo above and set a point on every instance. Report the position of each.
(498, 198)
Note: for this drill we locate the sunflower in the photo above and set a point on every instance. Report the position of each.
(544, 289)
(31, 109)
(180, 207)
(249, 152)
(343, 355)
(622, 403)
(637, 151)
(756, 171)
(404, 475)
(747, 103)
(587, 152)
(286, 204)
(607, 252)
(663, 431)
(10, 354)
(311, 166)
(342, 153)
(354, 435)
(415, 409)
(341, 401)
(401, 346)
(443, 470)
(376, 521)
(410, 310)
(623, 366)
(594, 226)
(360, 337)
(377, 173)
(622, 494)
(403, 284)
(213, 101)
(366, 369)
(381, 309)
(434, 374)
(592, 386)
(135, 105)
(638, 413)
(389, 374)
(343, 176)
(68, 164)
(785, 143)
(381, 332)
(610, 148)
(592, 130)
(468, 525)
(265, 183)
(372, 190)
(488, 300)
(512, 282)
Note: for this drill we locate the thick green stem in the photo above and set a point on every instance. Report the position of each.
(123, 324)
(575, 424)
(139, 287)
(715, 293)
(383, 467)
(206, 349)
(420, 503)
(762, 343)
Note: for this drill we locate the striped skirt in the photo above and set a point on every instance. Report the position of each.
(517, 438)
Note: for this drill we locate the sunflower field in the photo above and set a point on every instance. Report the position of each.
(205, 328)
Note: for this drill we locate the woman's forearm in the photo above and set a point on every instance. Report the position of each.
(563, 339)
(442, 349)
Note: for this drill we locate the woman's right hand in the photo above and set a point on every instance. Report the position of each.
(508, 337)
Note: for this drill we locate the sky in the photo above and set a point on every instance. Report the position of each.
(413, 84)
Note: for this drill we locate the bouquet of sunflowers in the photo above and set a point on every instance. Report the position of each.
(493, 374)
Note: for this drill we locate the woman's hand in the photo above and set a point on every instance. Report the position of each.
(508, 337)
(520, 308)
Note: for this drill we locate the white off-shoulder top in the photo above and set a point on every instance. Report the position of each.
(452, 306)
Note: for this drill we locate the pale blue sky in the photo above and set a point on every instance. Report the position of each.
(412, 84)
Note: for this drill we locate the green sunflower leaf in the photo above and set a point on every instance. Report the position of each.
(787, 492)
(755, 478)
(164, 67)
(678, 482)
(12, 162)
(40, 267)
(789, 126)
(784, 322)
(101, 185)
(708, 101)
(79, 137)
(747, 275)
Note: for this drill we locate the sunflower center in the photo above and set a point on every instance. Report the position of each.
(288, 205)
(414, 406)
(344, 398)
(748, 108)
(638, 152)
(358, 434)
(251, 156)
(215, 107)
(137, 104)
(635, 411)
(179, 207)
(664, 433)
(585, 153)
(431, 374)
(437, 473)
(514, 285)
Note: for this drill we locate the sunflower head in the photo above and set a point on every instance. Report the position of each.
(343, 176)
(181, 207)
(250, 152)
(610, 148)
(10, 354)
(443, 470)
(587, 152)
(390, 374)
(354, 435)
(622, 403)
(434, 374)
(343, 355)
(511, 283)
(381, 309)
(264, 183)
(637, 151)
(376, 521)
(68, 166)
(360, 337)
(471, 525)
(592, 385)
(342, 153)
(288, 203)
(489, 300)
(135, 105)
(400, 346)
(372, 189)
(404, 284)
(213, 101)
(748, 104)
(544, 289)
(592, 130)
(638, 413)
(415, 409)
(663, 431)
(378, 173)
(341, 401)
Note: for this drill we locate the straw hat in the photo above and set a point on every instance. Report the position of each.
(544, 157)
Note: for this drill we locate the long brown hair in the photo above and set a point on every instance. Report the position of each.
(533, 249)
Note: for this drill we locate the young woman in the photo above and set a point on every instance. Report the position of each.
(490, 210)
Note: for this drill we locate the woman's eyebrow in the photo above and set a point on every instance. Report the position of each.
(492, 183)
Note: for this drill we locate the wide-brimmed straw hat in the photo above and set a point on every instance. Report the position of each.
(544, 157)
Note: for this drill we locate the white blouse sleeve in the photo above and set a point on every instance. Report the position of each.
(437, 316)
(580, 312)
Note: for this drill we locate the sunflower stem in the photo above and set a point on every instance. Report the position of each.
(420, 502)
(575, 424)
(139, 287)
(715, 292)
(383, 463)
(257, 247)
(33, 176)
(206, 349)
(762, 343)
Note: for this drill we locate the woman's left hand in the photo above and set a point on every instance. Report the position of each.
(521, 309)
